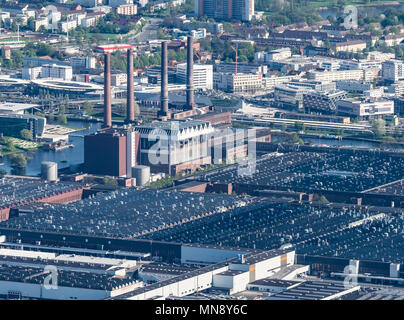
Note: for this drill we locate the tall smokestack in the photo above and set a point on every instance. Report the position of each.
(164, 80)
(107, 90)
(190, 73)
(130, 102)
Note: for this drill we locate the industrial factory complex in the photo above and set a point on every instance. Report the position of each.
(235, 161)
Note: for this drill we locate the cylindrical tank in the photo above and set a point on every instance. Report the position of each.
(49, 171)
(141, 174)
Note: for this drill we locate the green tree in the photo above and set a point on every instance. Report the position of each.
(62, 119)
(2, 173)
(137, 109)
(109, 181)
(26, 134)
(379, 127)
(18, 160)
(88, 107)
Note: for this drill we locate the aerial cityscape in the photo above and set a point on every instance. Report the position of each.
(204, 150)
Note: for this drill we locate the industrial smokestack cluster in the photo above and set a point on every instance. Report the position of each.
(190, 73)
(164, 80)
(107, 90)
(130, 102)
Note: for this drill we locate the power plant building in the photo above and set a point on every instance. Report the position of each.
(174, 146)
(111, 151)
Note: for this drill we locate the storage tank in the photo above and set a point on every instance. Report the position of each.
(49, 171)
(141, 174)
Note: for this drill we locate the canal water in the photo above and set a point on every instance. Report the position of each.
(64, 158)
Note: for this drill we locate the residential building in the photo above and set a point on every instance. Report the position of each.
(349, 46)
(242, 10)
(65, 26)
(392, 40)
(393, 70)
(126, 9)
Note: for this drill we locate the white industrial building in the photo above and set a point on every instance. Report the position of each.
(202, 75)
(365, 108)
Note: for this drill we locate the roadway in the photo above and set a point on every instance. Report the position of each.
(149, 31)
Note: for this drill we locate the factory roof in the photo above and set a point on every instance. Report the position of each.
(313, 290)
(231, 273)
(275, 283)
(165, 268)
(18, 191)
(124, 213)
(74, 279)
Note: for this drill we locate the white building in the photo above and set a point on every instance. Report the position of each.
(82, 62)
(365, 108)
(367, 75)
(58, 72)
(65, 26)
(392, 70)
(278, 54)
(353, 86)
(238, 82)
(31, 73)
(380, 56)
(127, 9)
(202, 75)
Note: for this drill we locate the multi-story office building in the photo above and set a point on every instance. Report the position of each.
(312, 84)
(269, 83)
(353, 86)
(238, 82)
(323, 101)
(202, 75)
(365, 108)
(241, 68)
(58, 72)
(366, 75)
(393, 70)
(12, 124)
(289, 95)
(242, 10)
